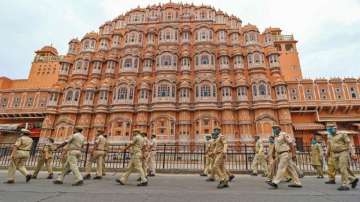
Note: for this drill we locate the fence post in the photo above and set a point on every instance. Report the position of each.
(164, 157)
(246, 158)
(124, 156)
(86, 154)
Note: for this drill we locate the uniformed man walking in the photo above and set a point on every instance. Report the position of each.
(74, 145)
(145, 154)
(46, 157)
(271, 158)
(207, 157)
(219, 152)
(259, 158)
(152, 158)
(317, 158)
(19, 155)
(283, 147)
(135, 164)
(106, 149)
(97, 155)
(340, 146)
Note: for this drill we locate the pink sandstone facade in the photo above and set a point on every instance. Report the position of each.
(178, 71)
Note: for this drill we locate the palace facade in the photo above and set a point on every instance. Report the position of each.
(178, 71)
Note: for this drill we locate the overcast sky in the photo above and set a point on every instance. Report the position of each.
(328, 31)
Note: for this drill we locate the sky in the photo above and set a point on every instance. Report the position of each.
(328, 31)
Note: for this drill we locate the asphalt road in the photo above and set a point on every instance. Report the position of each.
(171, 188)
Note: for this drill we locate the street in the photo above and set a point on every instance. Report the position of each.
(170, 188)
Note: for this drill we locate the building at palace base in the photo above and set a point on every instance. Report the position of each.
(178, 71)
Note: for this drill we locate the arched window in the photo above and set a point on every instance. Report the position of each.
(353, 93)
(122, 93)
(77, 95)
(204, 59)
(165, 60)
(163, 90)
(204, 34)
(128, 63)
(69, 95)
(262, 89)
(205, 90)
(78, 64)
(254, 88)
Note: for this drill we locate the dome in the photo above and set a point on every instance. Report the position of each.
(250, 27)
(47, 49)
(90, 35)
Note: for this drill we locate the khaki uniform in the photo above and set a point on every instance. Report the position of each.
(211, 158)
(97, 156)
(146, 155)
(282, 148)
(316, 158)
(259, 158)
(219, 160)
(63, 157)
(272, 162)
(73, 155)
(331, 161)
(135, 163)
(340, 147)
(208, 159)
(46, 157)
(152, 157)
(106, 149)
(23, 145)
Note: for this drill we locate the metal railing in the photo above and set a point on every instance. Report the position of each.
(172, 157)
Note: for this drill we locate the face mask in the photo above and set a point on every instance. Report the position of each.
(276, 132)
(271, 140)
(331, 131)
(313, 142)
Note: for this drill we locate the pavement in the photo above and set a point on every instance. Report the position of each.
(171, 188)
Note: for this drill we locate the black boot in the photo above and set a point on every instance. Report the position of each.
(330, 182)
(231, 177)
(50, 176)
(97, 178)
(295, 185)
(58, 182)
(143, 184)
(87, 177)
(221, 185)
(354, 183)
(343, 188)
(9, 182)
(275, 186)
(28, 178)
(120, 182)
(210, 179)
(78, 183)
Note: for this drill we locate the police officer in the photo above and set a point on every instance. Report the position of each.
(46, 157)
(74, 145)
(97, 155)
(211, 156)
(219, 152)
(207, 158)
(106, 149)
(19, 155)
(259, 158)
(340, 146)
(283, 147)
(135, 164)
(145, 154)
(152, 158)
(316, 158)
(271, 158)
